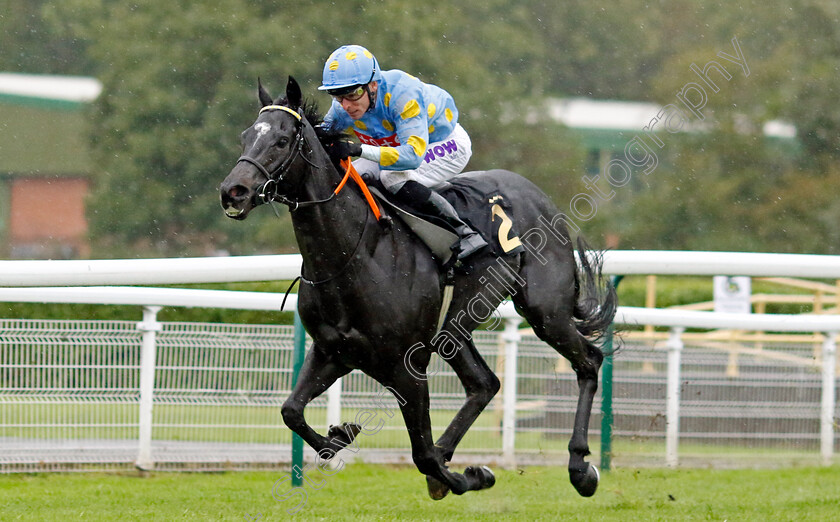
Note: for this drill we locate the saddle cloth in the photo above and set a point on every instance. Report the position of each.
(479, 203)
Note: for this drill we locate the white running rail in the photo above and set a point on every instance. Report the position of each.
(81, 282)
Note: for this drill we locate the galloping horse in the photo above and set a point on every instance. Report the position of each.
(371, 294)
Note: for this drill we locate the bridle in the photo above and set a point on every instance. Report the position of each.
(268, 192)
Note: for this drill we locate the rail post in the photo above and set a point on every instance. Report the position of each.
(607, 394)
(829, 362)
(297, 364)
(672, 408)
(511, 337)
(334, 404)
(149, 326)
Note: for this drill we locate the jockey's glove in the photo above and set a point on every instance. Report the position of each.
(341, 149)
(321, 131)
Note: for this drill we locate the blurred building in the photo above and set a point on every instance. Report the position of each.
(606, 126)
(45, 165)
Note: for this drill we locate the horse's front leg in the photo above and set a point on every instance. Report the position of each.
(318, 373)
(429, 461)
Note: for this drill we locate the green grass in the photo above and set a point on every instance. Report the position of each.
(365, 492)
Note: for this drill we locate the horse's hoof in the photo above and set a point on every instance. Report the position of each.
(483, 475)
(343, 435)
(437, 489)
(585, 481)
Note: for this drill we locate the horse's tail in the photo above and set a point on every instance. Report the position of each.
(595, 297)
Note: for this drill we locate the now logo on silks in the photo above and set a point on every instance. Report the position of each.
(439, 151)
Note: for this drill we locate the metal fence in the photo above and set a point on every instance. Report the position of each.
(70, 400)
(103, 395)
(739, 406)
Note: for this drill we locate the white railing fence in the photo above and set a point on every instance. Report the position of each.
(678, 321)
(197, 411)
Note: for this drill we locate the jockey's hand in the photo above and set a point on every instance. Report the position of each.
(341, 149)
(321, 131)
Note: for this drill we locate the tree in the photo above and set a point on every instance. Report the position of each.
(179, 85)
(178, 88)
(30, 44)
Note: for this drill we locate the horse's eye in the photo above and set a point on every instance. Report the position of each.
(282, 142)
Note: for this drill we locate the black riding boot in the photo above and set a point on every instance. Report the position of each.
(430, 202)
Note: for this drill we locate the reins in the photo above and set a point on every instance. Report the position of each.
(346, 265)
(351, 172)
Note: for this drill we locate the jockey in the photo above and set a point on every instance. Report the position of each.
(410, 137)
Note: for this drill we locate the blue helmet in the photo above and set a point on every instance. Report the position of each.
(348, 66)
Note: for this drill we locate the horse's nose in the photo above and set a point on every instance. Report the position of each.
(234, 193)
(234, 199)
(231, 194)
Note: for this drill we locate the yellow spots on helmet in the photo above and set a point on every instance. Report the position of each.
(449, 114)
(387, 99)
(367, 54)
(431, 129)
(418, 144)
(334, 65)
(387, 125)
(431, 110)
(388, 156)
(351, 55)
(410, 110)
(360, 125)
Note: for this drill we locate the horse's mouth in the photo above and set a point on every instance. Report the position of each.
(235, 213)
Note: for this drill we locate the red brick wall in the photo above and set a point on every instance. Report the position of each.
(48, 212)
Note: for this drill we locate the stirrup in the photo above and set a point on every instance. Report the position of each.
(471, 244)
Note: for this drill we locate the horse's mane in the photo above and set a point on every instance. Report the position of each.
(311, 112)
(327, 137)
(313, 115)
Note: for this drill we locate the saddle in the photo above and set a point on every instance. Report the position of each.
(438, 236)
(481, 206)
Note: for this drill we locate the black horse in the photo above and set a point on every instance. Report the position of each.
(371, 294)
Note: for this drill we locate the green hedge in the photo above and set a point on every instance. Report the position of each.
(682, 290)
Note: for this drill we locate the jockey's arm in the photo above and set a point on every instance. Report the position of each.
(412, 129)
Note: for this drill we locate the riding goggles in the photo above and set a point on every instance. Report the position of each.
(353, 94)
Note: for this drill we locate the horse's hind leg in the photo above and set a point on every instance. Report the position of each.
(480, 385)
(584, 476)
(415, 411)
(585, 359)
(552, 322)
(317, 374)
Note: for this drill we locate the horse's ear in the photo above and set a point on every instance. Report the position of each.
(265, 98)
(293, 95)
